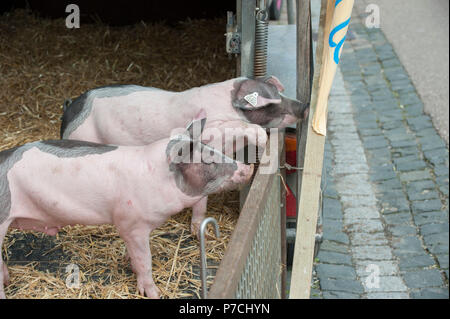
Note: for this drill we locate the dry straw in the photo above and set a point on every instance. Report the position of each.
(42, 63)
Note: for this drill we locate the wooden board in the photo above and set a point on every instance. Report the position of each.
(308, 204)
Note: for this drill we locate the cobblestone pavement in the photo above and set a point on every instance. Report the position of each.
(385, 182)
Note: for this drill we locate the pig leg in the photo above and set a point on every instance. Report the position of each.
(4, 276)
(198, 214)
(138, 247)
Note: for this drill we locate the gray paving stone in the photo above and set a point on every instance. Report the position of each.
(432, 142)
(434, 228)
(330, 192)
(430, 293)
(375, 142)
(334, 258)
(414, 262)
(441, 170)
(335, 224)
(402, 230)
(400, 84)
(363, 226)
(444, 190)
(371, 132)
(428, 205)
(414, 110)
(391, 124)
(430, 217)
(398, 218)
(332, 246)
(350, 168)
(407, 246)
(372, 252)
(427, 132)
(366, 117)
(414, 176)
(364, 239)
(403, 143)
(336, 236)
(423, 278)
(332, 208)
(390, 63)
(419, 186)
(387, 295)
(315, 294)
(404, 151)
(393, 204)
(345, 285)
(358, 200)
(382, 173)
(355, 213)
(436, 156)
(335, 271)
(411, 166)
(394, 113)
(419, 123)
(433, 239)
(438, 248)
(384, 284)
(406, 159)
(423, 195)
(442, 181)
(443, 261)
(385, 186)
(398, 137)
(375, 161)
(340, 295)
(365, 268)
(368, 124)
(409, 98)
(354, 184)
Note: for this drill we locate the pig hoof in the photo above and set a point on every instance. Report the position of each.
(148, 289)
(195, 228)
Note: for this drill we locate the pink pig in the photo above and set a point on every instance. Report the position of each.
(49, 184)
(136, 115)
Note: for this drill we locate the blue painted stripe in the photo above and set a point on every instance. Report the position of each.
(335, 30)
(337, 45)
(337, 2)
(338, 49)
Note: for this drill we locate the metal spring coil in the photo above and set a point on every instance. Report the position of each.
(261, 38)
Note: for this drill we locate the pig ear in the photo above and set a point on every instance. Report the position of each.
(276, 82)
(247, 95)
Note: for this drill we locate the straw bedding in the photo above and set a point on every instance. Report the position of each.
(42, 63)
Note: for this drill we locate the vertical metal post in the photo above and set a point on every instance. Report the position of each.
(245, 14)
(291, 11)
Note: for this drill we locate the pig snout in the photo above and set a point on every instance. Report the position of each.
(295, 110)
(243, 173)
